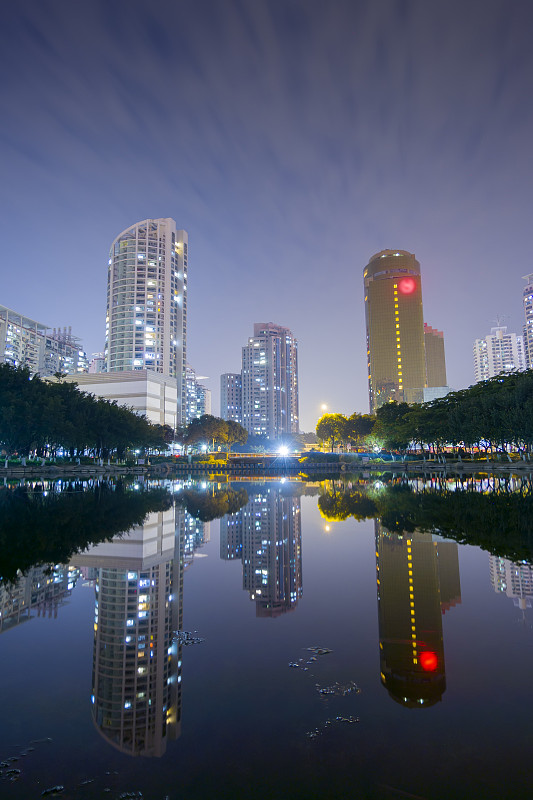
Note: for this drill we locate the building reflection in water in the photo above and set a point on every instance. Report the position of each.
(266, 536)
(417, 582)
(514, 578)
(41, 592)
(136, 694)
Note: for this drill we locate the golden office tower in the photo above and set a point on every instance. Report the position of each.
(396, 351)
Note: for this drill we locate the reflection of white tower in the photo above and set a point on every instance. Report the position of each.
(271, 550)
(515, 579)
(136, 664)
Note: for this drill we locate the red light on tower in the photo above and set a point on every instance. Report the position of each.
(407, 285)
(429, 661)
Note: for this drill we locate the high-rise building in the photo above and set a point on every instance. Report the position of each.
(499, 352)
(398, 366)
(270, 382)
(22, 340)
(198, 395)
(146, 323)
(231, 396)
(528, 321)
(435, 358)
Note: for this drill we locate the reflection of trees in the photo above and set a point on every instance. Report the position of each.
(500, 521)
(39, 527)
(206, 506)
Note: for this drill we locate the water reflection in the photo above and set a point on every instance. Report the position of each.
(515, 579)
(266, 536)
(43, 590)
(417, 581)
(136, 691)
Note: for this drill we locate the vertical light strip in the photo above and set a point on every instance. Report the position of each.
(412, 601)
(397, 329)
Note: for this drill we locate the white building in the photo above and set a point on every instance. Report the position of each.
(144, 391)
(499, 352)
(22, 340)
(270, 382)
(528, 321)
(231, 396)
(146, 319)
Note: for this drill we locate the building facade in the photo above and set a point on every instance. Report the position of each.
(143, 391)
(528, 321)
(499, 352)
(146, 321)
(398, 366)
(231, 396)
(63, 353)
(22, 340)
(198, 400)
(270, 382)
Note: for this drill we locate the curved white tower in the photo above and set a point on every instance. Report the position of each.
(146, 322)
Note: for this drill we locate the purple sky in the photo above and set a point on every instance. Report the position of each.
(292, 139)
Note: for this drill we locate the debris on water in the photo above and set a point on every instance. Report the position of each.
(293, 664)
(4, 764)
(41, 741)
(86, 781)
(129, 795)
(53, 791)
(319, 651)
(11, 772)
(313, 734)
(349, 720)
(338, 689)
(187, 637)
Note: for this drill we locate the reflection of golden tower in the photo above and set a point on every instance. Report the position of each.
(410, 607)
(137, 662)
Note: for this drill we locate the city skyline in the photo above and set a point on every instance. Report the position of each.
(290, 144)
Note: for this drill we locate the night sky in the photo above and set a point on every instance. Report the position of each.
(292, 139)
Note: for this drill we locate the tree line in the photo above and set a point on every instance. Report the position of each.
(41, 417)
(500, 522)
(211, 431)
(493, 414)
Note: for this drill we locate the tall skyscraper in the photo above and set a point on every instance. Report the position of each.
(399, 368)
(270, 382)
(528, 321)
(231, 396)
(146, 323)
(499, 352)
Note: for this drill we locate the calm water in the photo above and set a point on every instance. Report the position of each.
(318, 658)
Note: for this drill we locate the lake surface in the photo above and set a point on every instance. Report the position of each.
(277, 652)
